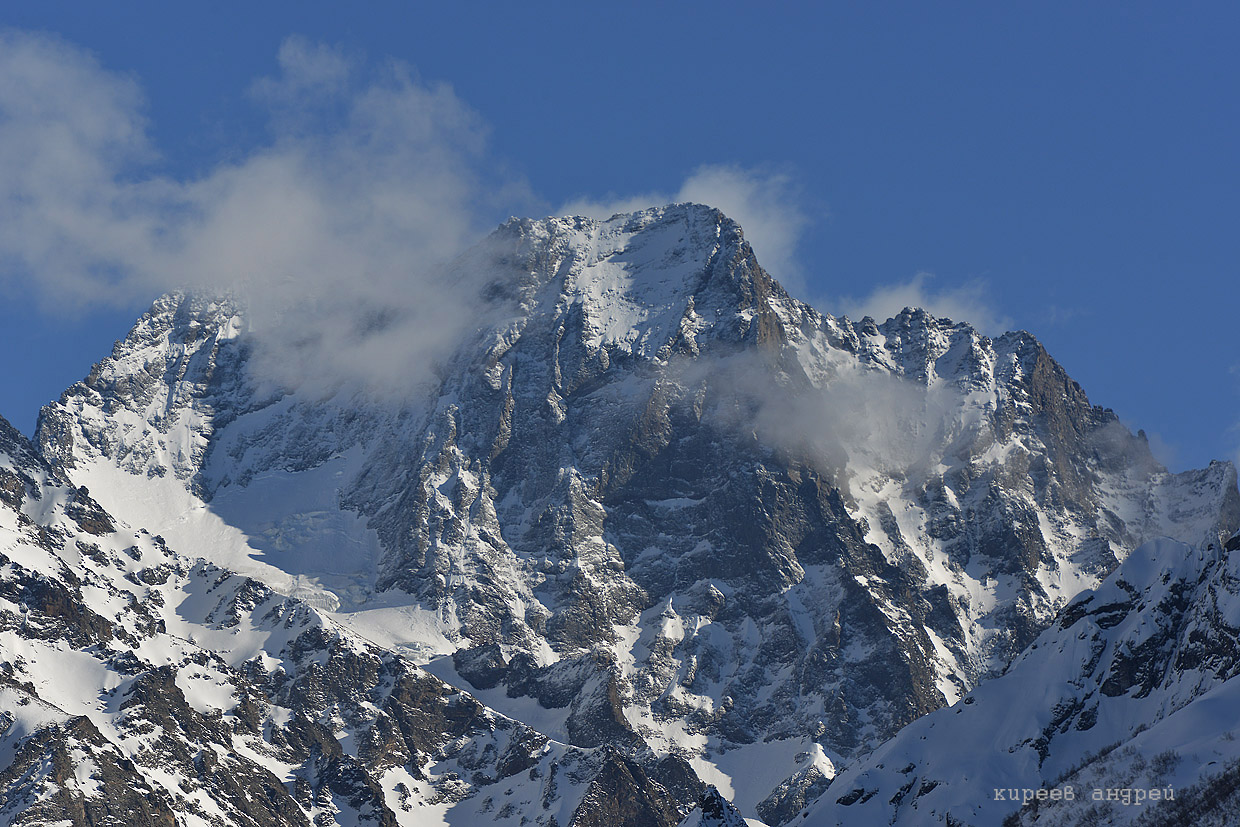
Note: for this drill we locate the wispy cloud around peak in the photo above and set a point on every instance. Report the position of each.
(767, 203)
(69, 133)
(612, 204)
(966, 303)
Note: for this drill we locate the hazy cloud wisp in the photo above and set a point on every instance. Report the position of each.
(966, 303)
(369, 182)
(857, 422)
(767, 204)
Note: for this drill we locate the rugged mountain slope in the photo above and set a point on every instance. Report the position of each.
(141, 688)
(714, 811)
(1132, 688)
(654, 500)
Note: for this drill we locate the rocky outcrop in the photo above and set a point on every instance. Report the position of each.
(714, 811)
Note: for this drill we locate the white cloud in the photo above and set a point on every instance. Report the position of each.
(964, 303)
(857, 419)
(370, 180)
(67, 218)
(1058, 315)
(1165, 452)
(307, 69)
(767, 204)
(612, 204)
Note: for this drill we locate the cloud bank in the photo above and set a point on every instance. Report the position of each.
(369, 181)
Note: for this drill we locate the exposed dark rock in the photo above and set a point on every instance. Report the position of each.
(483, 666)
(51, 757)
(789, 798)
(623, 795)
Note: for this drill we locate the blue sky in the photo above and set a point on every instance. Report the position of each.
(1066, 168)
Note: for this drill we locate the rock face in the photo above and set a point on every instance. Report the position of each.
(714, 811)
(654, 504)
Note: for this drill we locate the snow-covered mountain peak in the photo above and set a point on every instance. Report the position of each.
(643, 283)
(650, 499)
(151, 394)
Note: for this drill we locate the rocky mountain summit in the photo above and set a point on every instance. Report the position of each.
(681, 527)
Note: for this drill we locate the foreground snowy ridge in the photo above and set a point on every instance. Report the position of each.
(682, 527)
(1132, 689)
